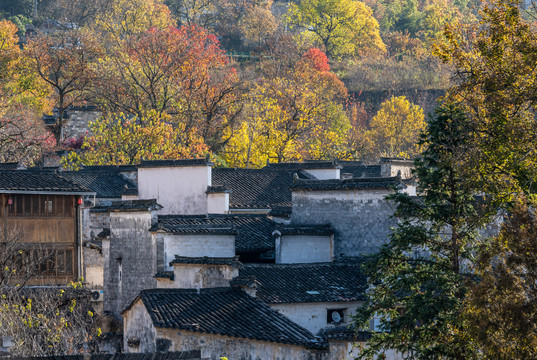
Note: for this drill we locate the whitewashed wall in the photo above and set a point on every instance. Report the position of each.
(312, 316)
(180, 190)
(325, 174)
(196, 246)
(218, 203)
(295, 249)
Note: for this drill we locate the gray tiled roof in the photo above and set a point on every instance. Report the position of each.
(134, 205)
(232, 261)
(307, 283)
(348, 184)
(224, 311)
(172, 163)
(257, 188)
(254, 232)
(281, 211)
(107, 182)
(306, 165)
(305, 229)
(360, 170)
(44, 181)
(208, 228)
(345, 333)
(173, 355)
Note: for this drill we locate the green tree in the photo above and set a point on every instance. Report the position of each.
(418, 280)
(17, 7)
(342, 28)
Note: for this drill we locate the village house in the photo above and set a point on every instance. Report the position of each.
(183, 230)
(43, 211)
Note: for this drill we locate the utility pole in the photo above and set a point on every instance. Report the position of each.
(35, 9)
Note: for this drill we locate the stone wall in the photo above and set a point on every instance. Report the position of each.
(137, 324)
(131, 259)
(94, 223)
(361, 219)
(78, 122)
(213, 347)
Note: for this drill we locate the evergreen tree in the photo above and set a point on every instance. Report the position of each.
(418, 280)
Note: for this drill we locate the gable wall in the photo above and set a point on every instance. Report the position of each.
(195, 246)
(214, 346)
(294, 249)
(130, 241)
(361, 219)
(197, 276)
(180, 190)
(138, 324)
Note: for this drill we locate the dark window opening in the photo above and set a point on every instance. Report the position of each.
(335, 316)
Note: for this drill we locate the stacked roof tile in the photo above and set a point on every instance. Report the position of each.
(306, 165)
(258, 188)
(44, 181)
(348, 184)
(134, 205)
(172, 355)
(253, 231)
(107, 182)
(231, 261)
(307, 283)
(360, 170)
(223, 311)
(174, 163)
(315, 230)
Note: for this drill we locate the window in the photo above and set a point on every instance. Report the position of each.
(54, 262)
(335, 316)
(40, 205)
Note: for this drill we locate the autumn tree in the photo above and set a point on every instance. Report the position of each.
(494, 71)
(64, 61)
(75, 12)
(395, 129)
(419, 279)
(126, 140)
(23, 97)
(502, 306)
(295, 116)
(342, 28)
(194, 12)
(40, 320)
(124, 19)
(181, 72)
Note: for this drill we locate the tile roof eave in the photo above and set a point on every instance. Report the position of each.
(48, 192)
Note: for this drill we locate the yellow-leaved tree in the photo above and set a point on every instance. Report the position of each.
(125, 140)
(292, 117)
(395, 129)
(342, 28)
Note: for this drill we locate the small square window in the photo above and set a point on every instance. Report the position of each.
(335, 316)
